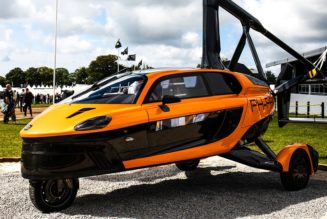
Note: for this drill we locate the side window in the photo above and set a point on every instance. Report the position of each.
(179, 86)
(221, 84)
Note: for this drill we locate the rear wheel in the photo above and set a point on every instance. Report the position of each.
(53, 195)
(188, 165)
(299, 172)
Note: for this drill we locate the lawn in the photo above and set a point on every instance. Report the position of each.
(277, 138)
(312, 134)
(10, 142)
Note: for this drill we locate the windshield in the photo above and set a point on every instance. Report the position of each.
(121, 90)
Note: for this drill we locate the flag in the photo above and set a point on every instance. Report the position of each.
(125, 52)
(118, 44)
(131, 57)
(140, 64)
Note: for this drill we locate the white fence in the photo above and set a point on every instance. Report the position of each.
(303, 99)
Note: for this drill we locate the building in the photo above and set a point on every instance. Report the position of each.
(313, 90)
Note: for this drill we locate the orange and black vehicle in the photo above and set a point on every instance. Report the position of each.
(155, 117)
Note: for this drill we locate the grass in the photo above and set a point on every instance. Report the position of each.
(10, 142)
(312, 134)
(276, 138)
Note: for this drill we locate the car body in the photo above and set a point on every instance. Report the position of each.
(155, 117)
(217, 109)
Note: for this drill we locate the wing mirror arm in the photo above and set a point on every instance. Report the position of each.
(168, 99)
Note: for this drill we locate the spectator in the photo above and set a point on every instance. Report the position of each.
(28, 99)
(9, 110)
(15, 97)
(21, 100)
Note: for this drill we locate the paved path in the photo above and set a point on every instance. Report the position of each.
(217, 189)
(20, 115)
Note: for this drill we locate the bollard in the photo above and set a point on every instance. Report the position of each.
(308, 109)
(296, 108)
(323, 110)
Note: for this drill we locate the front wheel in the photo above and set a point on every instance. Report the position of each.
(53, 195)
(299, 172)
(188, 165)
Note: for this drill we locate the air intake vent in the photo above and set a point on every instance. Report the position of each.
(79, 112)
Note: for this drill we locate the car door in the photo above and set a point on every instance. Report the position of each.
(191, 122)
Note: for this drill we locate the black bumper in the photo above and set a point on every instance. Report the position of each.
(43, 159)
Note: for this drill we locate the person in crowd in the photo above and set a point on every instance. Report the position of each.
(37, 99)
(21, 100)
(9, 110)
(28, 100)
(14, 97)
(17, 102)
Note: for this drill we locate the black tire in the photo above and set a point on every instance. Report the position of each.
(299, 171)
(188, 165)
(46, 196)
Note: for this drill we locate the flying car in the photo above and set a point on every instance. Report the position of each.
(155, 117)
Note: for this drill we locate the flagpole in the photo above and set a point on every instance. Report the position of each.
(55, 55)
(118, 60)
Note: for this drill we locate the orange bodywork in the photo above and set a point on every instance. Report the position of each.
(257, 103)
(285, 155)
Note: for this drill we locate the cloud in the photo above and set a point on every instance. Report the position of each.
(301, 24)
(162, 33)
(73, 44)
(11, 9)
(5, 59)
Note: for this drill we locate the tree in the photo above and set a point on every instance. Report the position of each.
(16, 77)
(46, 75)
(102, 67)
(32, 76)
(2, 81)
(62, 77)
(81, 75)
(271, 78)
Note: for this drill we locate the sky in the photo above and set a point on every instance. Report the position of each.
(165, 33)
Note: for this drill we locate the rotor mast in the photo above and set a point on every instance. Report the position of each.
(211, 39)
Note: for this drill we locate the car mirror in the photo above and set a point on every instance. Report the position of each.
(168, 99)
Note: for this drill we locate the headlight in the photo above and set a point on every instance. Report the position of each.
(94, 123)
(28, 126)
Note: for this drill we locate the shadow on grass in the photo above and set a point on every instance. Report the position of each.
(203, 193)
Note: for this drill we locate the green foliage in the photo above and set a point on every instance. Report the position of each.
(102, 67)
(62, 77)
(16, 77)
(81, 75)
(46, 75)
(2, 81)
(32, 76)
(271, 78)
